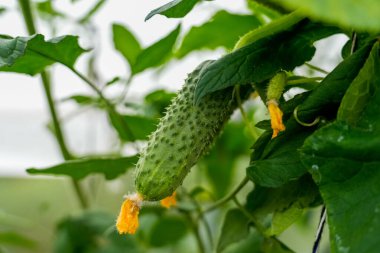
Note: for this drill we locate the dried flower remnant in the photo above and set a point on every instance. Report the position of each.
(169, 201)
(127, 221)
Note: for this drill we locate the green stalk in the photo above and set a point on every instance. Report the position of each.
(228, 197)
(277, 25)
(58, 133)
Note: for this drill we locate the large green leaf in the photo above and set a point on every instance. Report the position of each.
(208, 35)
(331, 90)
(126, 43)
(361, 90)
(133, 127)
(31, 55)
(280, 162)
(275, 162)
(235, 228)
(157, 53)
(360, 15)
(263, 58)
(174, 9)
(278, 208)
(78, 169)
(343, 158)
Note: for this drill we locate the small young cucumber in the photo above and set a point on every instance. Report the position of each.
(182, 137)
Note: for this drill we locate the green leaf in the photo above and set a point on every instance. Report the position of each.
(174, 9)
(2, 10)
(275, 162)
(92, 232)
(322, 101)
(344, 160)
(208, 35)
(114, 80)
(262, 59)
(126, 43)
(31, 55)
(133, 127)
(17, 240)
(78, 169)
(273, 245)
(157, 101)
(351, 14)
(250, 244)
(278, 208)
(256, 243)
(167, 230)
(156, 54)
(361, 89)
(46, 8)
(83, 99)
(280, 161)
(235, 228)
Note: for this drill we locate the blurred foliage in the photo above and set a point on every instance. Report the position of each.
(350, 14)
(174, 9)
(208, 35)
(331, 162)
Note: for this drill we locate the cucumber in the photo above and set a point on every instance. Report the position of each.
(183, 135)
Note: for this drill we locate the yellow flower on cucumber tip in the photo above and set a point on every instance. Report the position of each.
(275, 117)
(169, 201)
(128, 219)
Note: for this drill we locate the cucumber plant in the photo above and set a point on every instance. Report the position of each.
(315, 153)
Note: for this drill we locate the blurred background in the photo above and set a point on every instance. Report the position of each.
(42, 213)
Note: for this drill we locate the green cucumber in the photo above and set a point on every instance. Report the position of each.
(183, 135)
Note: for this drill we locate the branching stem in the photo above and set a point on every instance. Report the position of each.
(228, 197)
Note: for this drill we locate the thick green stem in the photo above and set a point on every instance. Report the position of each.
(29, 22)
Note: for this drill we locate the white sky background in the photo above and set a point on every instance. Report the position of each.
(24, 139)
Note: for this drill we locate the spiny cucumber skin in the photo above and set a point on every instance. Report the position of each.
(182, 137)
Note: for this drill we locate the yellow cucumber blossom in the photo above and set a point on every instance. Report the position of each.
(128, 221)
(275, 117)
(169, 201)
